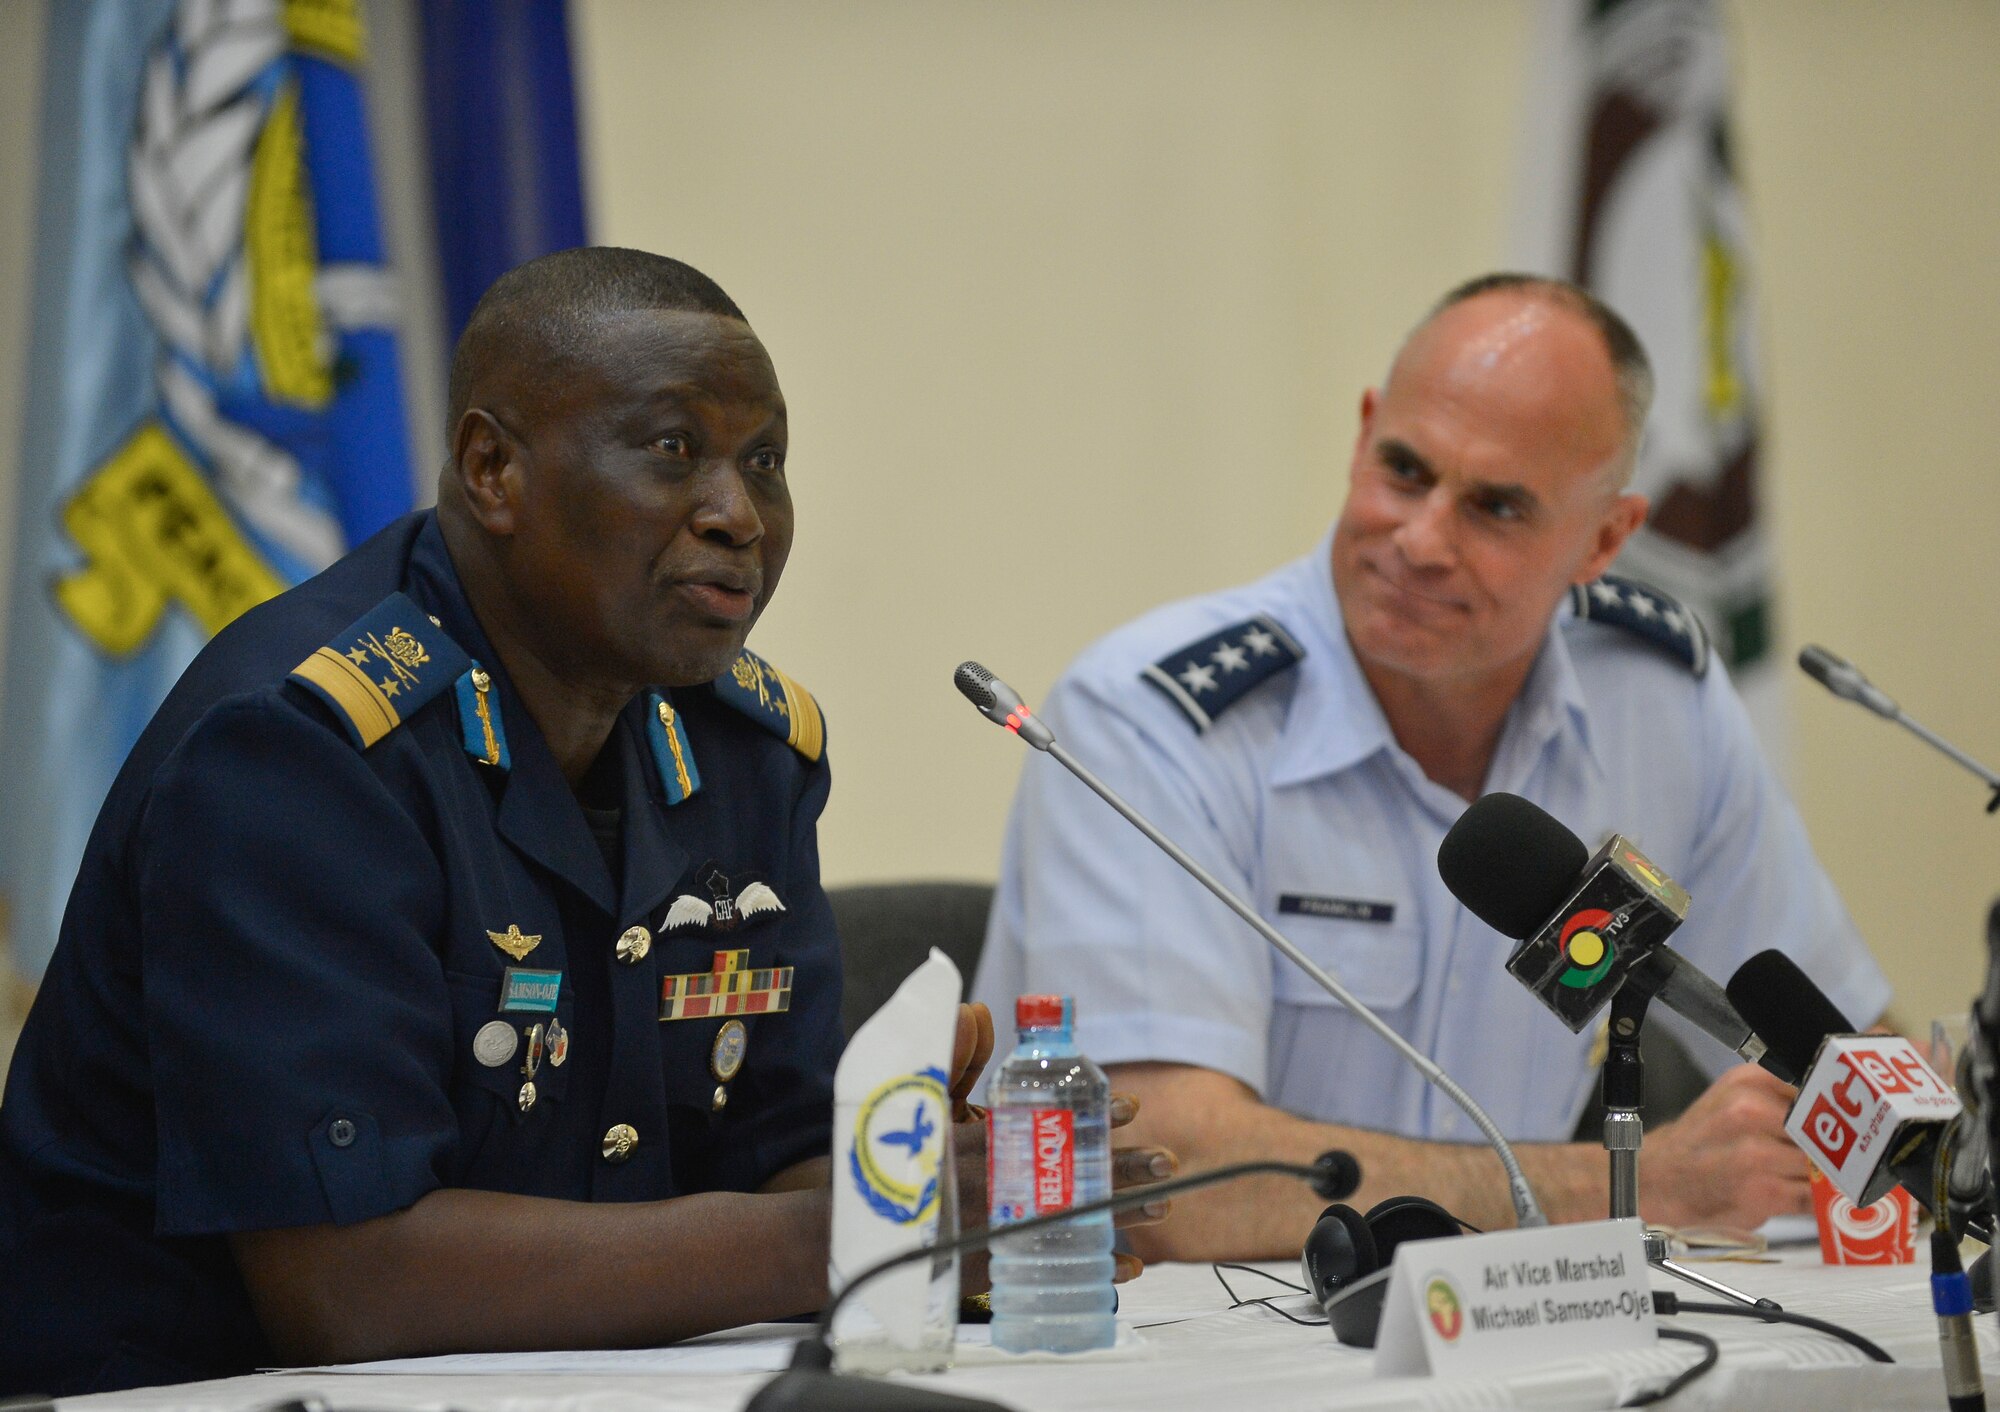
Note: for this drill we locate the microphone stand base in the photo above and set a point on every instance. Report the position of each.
(1656, 1256)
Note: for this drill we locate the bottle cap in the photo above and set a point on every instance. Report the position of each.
(1039, 1012)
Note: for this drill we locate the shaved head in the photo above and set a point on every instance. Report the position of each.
(1629, 371)
(543, 318)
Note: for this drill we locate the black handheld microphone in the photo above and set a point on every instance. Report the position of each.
(1586, 922)
(1002, 705)
(1795, 1017)
(811, 1385)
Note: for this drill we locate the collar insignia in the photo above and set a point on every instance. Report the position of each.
(1646, 613)
(1213, 673)
(479, 718)
(673, 752)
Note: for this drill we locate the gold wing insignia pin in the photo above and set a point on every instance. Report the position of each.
(513, 942)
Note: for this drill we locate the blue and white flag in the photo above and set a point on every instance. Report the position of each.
(214, 407)
(1630, 188)
(506, 163)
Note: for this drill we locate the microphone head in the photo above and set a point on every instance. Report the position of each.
(1786, 1010)
(1511, 863)
(1339, 1175)
(1821, 665)
(1844, 679)
(975, 684)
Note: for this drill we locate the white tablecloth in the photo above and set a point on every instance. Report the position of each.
(1183, 1347)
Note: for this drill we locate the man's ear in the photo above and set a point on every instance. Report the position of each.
(1371, 398)
(1621, 518)
(486, 464)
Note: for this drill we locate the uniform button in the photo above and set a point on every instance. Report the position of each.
(527, 1095)
(721, 1100)
(633, 946)
(619, 1142)
(340, 1133)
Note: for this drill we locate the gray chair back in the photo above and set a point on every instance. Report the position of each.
(886, 930)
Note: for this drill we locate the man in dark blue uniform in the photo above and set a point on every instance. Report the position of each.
(449, 965)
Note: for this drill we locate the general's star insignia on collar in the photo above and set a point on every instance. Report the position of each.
(1646, 613)
(385, 673)
(513, 942)
(775, 702)
(1213, 673)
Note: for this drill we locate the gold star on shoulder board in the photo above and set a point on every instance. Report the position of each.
(359, 655)
(513, 942)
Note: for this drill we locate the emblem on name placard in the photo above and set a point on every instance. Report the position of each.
(513, 942)
(899, 1145)
(725, 908)
(1446, 1310)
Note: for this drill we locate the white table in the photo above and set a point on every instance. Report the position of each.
(1188, 1349)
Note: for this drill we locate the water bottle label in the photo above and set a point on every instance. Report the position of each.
(1030, 1162)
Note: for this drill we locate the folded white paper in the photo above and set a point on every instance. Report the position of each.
(891, 1121)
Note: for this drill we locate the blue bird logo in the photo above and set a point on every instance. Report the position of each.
(919, 1132)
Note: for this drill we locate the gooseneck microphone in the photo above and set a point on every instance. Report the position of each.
(1586, 923)
(1844, 679)
(811, 1385)
(1002, 705)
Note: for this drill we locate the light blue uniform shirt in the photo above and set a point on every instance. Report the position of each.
(1299, 788)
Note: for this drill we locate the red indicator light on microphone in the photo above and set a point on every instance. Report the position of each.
(1014, 722)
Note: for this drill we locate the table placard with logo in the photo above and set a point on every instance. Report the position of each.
(1472, 1305)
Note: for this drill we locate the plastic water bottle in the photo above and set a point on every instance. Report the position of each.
(1049, 1148)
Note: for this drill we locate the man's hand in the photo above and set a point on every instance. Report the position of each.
(1130, 1166)
(1726, 1161)
(970, 1051)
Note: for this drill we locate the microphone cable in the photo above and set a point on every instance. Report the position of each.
(1237, 1301)
(1666, 1302)
(1951, 1290)
(1711, 1354)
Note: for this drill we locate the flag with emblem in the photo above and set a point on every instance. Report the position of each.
(1630, 188)
(214, 409)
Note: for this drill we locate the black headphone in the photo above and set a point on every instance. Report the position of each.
(1347, 1257)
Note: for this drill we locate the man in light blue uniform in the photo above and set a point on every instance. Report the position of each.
(1311, 737)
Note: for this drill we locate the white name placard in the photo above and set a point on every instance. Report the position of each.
(1471, 1305)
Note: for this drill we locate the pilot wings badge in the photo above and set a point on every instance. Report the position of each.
(725, 908)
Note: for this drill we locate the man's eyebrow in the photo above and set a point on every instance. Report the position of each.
(1507, 493)
(1400, 452)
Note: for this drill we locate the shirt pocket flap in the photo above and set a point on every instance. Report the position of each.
(1373, 947)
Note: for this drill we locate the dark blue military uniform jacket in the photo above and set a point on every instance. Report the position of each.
(325, 936)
